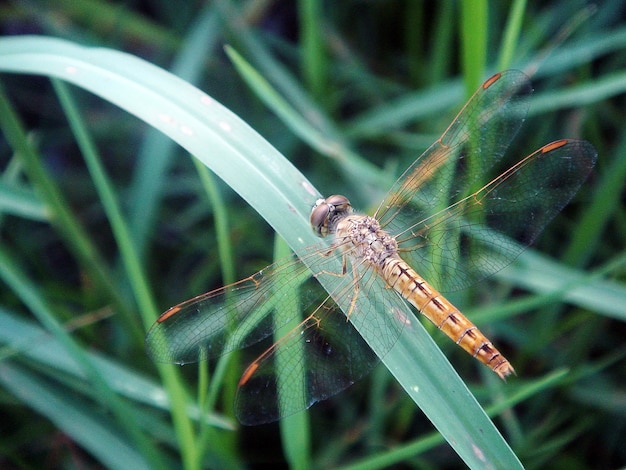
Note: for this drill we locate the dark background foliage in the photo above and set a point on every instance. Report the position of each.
(378, 71)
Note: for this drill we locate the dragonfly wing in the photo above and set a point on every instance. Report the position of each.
(445, 172)
(325, 354)
(487, 230)
(448, 223)
(229, 318)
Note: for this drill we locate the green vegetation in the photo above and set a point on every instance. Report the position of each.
(106, 222)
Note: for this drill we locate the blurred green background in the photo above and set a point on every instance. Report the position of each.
(103, 230)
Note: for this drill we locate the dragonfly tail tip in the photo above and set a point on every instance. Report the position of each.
(504, 369)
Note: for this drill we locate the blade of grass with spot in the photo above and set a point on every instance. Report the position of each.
(390, 457)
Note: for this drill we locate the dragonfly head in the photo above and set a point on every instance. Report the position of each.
(327, 212)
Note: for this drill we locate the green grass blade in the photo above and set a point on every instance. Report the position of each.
(580, 95)
(595, 219)
(314, 63)
(14, 277)
(129, 255)
(157, 151)
(474, 28)
(75, 417)
(323, 138)
(538, 273)
(295, 430)
(511, 34)
(58, 207)
(19, 336)
(22, 202)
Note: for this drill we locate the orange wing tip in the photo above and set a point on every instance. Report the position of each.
(553, 145)
(170, 312)
(490, 81)
(248, 373)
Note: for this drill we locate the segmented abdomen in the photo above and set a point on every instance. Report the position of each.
(443, 314)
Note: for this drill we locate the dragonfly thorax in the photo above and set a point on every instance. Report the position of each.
(362, 237)
(356, 234)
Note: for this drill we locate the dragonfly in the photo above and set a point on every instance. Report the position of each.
(439, 217)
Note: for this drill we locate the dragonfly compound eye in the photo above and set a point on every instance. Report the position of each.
(326, 212)
(319, 217)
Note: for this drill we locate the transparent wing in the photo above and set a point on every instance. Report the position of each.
(324, 348)
(318, 359)
(451, 226)
(480, 134)
(229, 318)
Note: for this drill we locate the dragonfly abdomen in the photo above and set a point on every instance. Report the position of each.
(445, 316)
